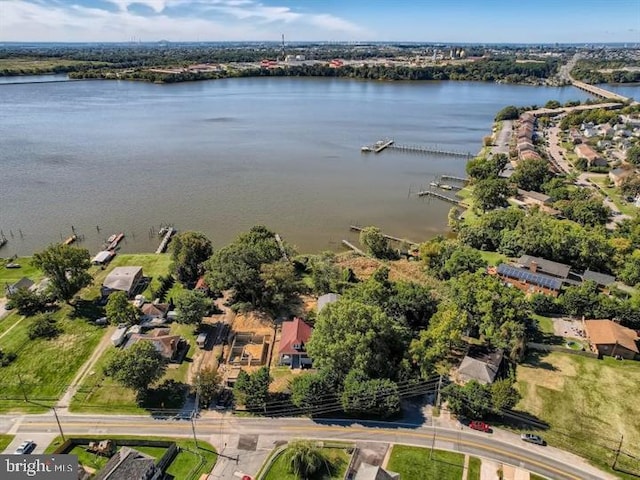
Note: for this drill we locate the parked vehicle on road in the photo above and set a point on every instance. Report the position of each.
(531, 438)
(481, 426)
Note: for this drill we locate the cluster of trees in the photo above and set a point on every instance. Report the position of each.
(252, 390)
(29, 302)
(360, 346)
(189, 251)
(252, 266)
(606, 71)
(66, 267)
(597, 116)
(473, 400)
(448, 258)
(490, 191)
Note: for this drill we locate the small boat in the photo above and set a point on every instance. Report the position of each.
(446, 187)
(434, 184)
(365, 149)
(111, 238)
(71, 239)
(13, 265)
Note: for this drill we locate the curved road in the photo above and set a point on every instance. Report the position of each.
(501, 446)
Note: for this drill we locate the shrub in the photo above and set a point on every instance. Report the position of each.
(44, 327)
(6, 358)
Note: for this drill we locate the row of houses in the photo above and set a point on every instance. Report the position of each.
(524, 138)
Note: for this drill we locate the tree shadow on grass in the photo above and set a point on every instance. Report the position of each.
(87, 309)
(535, 359)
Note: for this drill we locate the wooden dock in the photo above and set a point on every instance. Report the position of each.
(452, 177)
(430, 150)
(354, 248)
(377, 147)
(429, 193)
(115, 240)
(388, 237)
(70, 239)
(168, 233)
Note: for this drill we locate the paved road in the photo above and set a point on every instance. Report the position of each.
(503, 138)
(501, 446)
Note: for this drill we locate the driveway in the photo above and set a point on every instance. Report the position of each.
(503, 138)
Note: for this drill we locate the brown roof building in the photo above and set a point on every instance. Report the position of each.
(610, 338)
(169, 346)
(293, 351)
(593, 158)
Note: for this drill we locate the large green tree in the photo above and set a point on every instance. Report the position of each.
(492, 193)
(482, 168)
(312, 391)
(304, 459)
(252, 390)
(137, 367)
(189, 250)
(349, 335)
(66, 267)
(238, 265)
(372, 397)
(531, 174)
(120, 310)
(207, 385)
(280, 286)
(192, 306)
(375, 243)
(471, 400)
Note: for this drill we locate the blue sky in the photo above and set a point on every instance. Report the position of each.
(482, 21)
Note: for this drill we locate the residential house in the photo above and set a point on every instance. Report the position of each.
(293, 340)
(544, 266)
(171, 347)
(527, 281)
(602, 280)
(612, 339)
(23, 283)
(576, 136)
(130, 464)
(372, 472)
(154, 315)
(481, 364)
(534, 198)
(589, 132)
(529, 155)
(122, 279)
(326, 299)
(619, 175)
(594, 159)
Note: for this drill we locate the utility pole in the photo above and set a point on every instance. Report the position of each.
(24, 393)
(58, 422)
(55, 413)
(194, 414)
(613, 466)
(438, 394)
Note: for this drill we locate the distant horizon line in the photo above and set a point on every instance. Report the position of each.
(629, 44)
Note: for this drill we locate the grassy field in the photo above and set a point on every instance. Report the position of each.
(587, 403)
(493, 258)
(44, 368)
(12, 275)
(413, 463)
(545, 324)
(474, 468)
(31, 65)
(101, 393)
(9, 321)
(615, 196)
(337, 459)
(190, 463)
(5, 440)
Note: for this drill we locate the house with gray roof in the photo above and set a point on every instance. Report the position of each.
(481, 364)
(327, 299)
(130, 464)
(547, 267)
(122, 279)
(24, 282)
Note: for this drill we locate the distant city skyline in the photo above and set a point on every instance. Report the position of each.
(461, 21)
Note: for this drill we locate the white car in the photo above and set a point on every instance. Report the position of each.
(528, 437)
(25, 447)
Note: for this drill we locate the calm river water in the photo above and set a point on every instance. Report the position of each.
(221, 156)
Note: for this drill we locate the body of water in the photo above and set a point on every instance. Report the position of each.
(221, 156)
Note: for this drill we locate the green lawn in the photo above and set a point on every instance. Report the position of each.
(615, 196)
(44, 368)
(413, 463)
(189, 464)
(337, 459)
(9, 321)
(587, 403)
(474, 468)
(152, 266)
(12, 275)
(5, 440)
(493, 258)
(545, 324)
(100, 393)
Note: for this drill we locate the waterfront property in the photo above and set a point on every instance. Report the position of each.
(527, 281)
(122, 279)
(295, 335)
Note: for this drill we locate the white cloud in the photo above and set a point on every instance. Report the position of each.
(55, 20)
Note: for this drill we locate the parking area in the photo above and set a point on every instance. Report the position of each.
(42, 440)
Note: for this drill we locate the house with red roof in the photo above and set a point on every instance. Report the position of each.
(295, 335)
